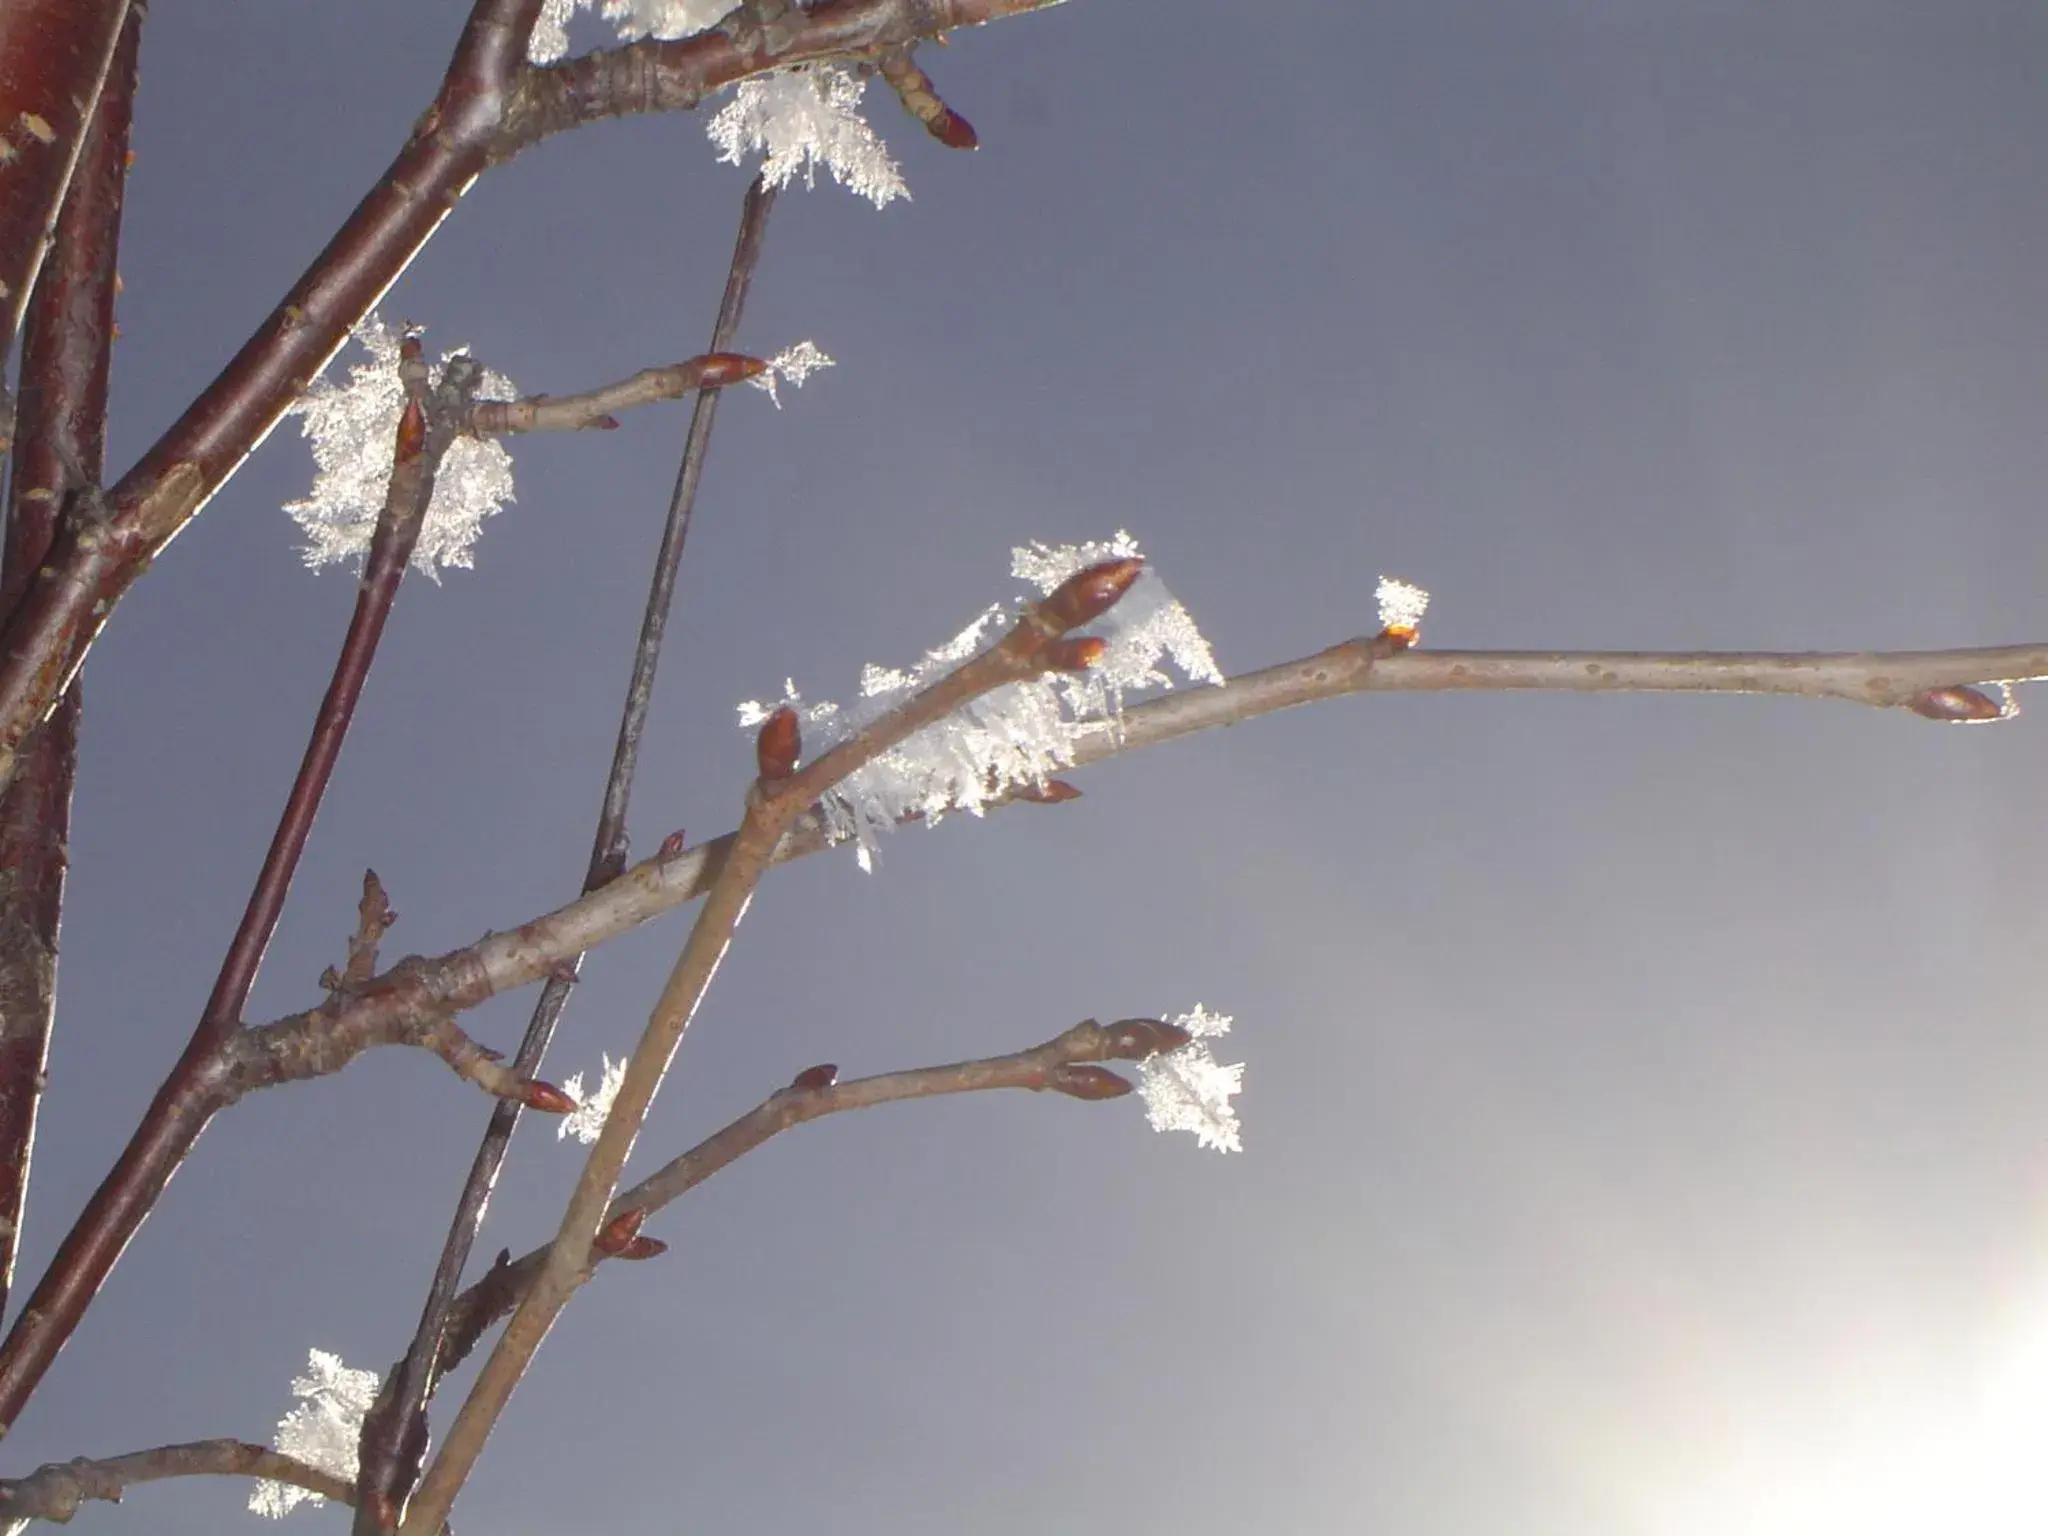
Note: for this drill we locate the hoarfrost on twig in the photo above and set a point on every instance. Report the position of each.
(353, 429)
(1019, 734)
(1188, 1090)
(804, 117)
(792, 365)
(635, 19)
(323, 1430)
(587, 1119)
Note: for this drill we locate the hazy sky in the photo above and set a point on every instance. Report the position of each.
(1643, 1112)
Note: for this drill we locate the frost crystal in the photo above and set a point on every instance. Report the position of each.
(1020, 734)
(802, 118)
(588, 1118)
(634, 19)
(794, 364)
(1187, 1090)
(353, 428)
(1402, 603)
(322, 1430)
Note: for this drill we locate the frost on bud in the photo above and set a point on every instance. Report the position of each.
(545, 1097)
(618, 1234)
(1082, 1080)
(812, 1079)
(1402, 605)
(1135, 1039)
(1961, 704)
(778, 745)
(1075, 653)
(1088, 594)
(1187, 1089)
(715, 370)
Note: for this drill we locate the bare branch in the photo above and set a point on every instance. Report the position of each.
(813, 1095)
(593, 408)
(56, 1490)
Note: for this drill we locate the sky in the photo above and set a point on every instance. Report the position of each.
(1641, 1110)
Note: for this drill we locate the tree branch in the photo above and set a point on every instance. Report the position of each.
(491, 106)
(56, 1490)
(813, 1095)
(593, 408)
(394, 1431)
(65, 358)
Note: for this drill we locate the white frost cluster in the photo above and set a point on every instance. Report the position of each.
(587, 1119)
(1187, 1090)
(634, 18)
(323, 1430)
(353, 428)
(1402, 603)
(802, 118)
(1021, 733)
(792, 365)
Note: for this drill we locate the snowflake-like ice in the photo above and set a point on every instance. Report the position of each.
(802, 118)
(587, 1119)
(353, 428)
(792, 365)
(1188, 1090)
(323, 1430)
(1402, 604)
(1019, 734)
(634, 18)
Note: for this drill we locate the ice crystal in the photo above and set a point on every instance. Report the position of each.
(1019, 734)
(634, 18)
(1402, 603)
(802, 118)
(353, 429)
(323, 1430)
(587, 1119)
(792, 365)
(1188, 1090)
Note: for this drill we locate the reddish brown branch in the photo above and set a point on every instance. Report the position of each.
(57, 1490)
(490, 107)
(813, 1095)
(54, 56)
(62, 423)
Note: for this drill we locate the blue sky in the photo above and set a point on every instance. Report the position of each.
(1642, 1103)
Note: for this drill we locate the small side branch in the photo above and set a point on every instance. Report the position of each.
(594, 408)
(58, 1489)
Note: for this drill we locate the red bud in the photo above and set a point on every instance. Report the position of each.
(1051, 792)
(673, 844)
(606, 424)
(779, 744)
(1080, 1080)
(1075, 653)
(1089, 594)
(715, 370)
(1956, 705)
(952, 130)
(642, 1248)
(546, 1097)
(412, 431)
(618, 1233)
(1135, 1039)
(811, 1079)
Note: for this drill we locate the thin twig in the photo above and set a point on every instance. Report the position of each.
(394, 1438)
(1036, 644)
(65, 351)
(198, 1086)
(593, 408)
(56, 1490)
(812, 1096)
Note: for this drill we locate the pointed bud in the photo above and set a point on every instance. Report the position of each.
(673, 844)
(1135, 1039)
(563, 971)
(412, 431)
(715, 370)
(1400, 637)
(606, 424)
(1089, 594)
(951, 129)
(811, 1079)
(1051, 792)
(1079, 1080)
(778, 745)
(1075, 653)
(545, 1097)
(642, 1248)
(1958, 705)
(615, 1235)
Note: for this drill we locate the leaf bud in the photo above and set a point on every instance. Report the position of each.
(1088, 594)
(1959, 704)
(1075, 653)
(1081, 1080)
(1135, 1039)
(715, 370)
(778, 745)
(545, 1097)
(616, 1235)
(811, 1079)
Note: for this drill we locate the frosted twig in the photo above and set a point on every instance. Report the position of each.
(812, 1096)
(1038, 643)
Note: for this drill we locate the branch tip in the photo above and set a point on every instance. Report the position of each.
(1088, 594)
(543, 1096)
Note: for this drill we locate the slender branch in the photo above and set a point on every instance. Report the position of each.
(812, 1096)
(491, 106)
(54, 56)
(66, 349)
(394, 1431)
(56, 1490)
(1036, 644)
(593, 408)
(199, 1084)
